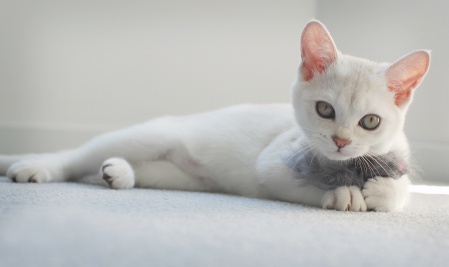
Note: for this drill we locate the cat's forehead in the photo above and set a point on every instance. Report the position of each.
(353, 80)
(358, 75)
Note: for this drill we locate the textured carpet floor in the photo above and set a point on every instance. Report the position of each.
(68, 224)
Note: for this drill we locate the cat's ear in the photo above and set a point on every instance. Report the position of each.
(406, 74)
(317, 50)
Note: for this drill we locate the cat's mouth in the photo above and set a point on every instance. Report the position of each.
(340, 155)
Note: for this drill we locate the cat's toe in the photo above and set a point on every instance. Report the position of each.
(117, 173)
(33, 172)
(328, 200)
(357, 200)
(344, 198)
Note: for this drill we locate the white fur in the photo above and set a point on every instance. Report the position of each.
(117, 173)
(386, 194)
(243, 149)
(344, 198)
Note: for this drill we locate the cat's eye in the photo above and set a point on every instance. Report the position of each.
(325, 110)
(370, 122)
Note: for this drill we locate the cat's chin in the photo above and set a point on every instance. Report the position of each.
(339, 156)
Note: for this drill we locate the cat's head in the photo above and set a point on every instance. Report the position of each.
(350, 107)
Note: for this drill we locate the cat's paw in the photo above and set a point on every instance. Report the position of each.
(344, 198)
(118, 173)
(35, 171)
(386, 194)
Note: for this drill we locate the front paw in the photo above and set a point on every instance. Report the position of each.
(386, 194)
(117, 173)
(344, 198)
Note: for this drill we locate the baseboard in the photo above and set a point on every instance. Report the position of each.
(432, 160)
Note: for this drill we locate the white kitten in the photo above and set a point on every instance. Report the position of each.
(341, 146)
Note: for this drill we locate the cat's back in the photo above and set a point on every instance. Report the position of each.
(247, 116)
(250, 111)
(240, 125)
(239, 121)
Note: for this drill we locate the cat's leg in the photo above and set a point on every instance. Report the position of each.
(386, 194)
(56, 167)
(163, 174)
(33, 168)
(120, 174)
(155, 140)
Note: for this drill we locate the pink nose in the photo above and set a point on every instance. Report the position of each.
(340, 142)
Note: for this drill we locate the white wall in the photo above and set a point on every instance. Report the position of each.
(385, 31)
(72, 69)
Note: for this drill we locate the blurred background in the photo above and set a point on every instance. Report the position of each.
(70, 70)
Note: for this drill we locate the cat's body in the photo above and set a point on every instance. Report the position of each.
(344, 110)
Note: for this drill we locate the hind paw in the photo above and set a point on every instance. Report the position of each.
(35, 171)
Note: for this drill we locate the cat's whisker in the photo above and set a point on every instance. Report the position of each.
(302, 152)
(392, 159)
(382, 163)
(369, 164)
(400, 164)
(358, 161)
(363, 165)
(305, 150)
(305, 153)
(384, 160)
(374, 163)
(311, 161)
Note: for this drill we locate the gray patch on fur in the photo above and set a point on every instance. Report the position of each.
(330, 174)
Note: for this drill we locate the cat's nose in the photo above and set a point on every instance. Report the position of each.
(340, 142)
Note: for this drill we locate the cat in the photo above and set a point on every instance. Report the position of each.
(340, 144)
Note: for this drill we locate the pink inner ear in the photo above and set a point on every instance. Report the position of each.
(317, 50)
(406, 74)
(311, 65)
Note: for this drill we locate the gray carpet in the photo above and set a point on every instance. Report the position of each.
(68, 224)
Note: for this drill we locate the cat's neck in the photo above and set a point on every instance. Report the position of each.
(312, 167)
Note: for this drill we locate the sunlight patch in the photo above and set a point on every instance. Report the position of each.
(429, 189)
